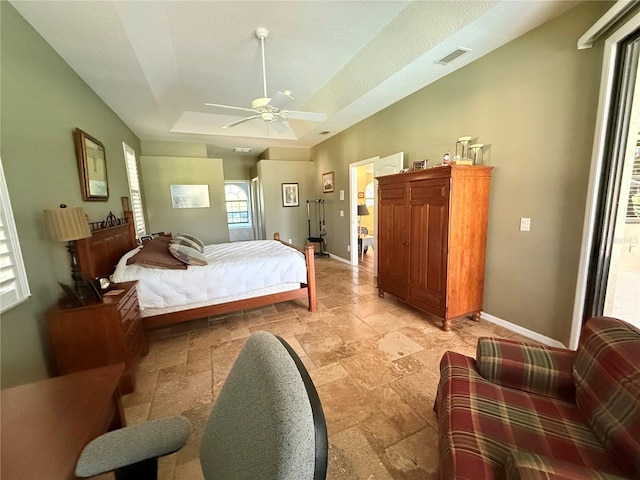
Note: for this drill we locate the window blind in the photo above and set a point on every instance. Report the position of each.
(14, 288)
(135, 191)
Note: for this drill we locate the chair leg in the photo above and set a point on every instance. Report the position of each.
(144, 470)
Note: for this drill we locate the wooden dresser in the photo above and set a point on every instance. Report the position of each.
(99, 334)
(432, 231)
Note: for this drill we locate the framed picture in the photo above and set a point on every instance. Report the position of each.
(327, 182)
(360, 194)
(190, 196)
(419, 165)
(92, 166)
(290, 196)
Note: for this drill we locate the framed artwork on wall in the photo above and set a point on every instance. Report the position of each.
(327, 182)
(290, 197)
(92, 166)
(190, 196)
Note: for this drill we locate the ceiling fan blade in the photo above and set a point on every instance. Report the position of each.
(279, 126)
(229, 107)
(242, 120)
(281, 99)
(309, 116)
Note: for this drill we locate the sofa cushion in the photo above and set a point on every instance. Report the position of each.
(533, 368)
(607, 378)
(529, 466)
(480, 423)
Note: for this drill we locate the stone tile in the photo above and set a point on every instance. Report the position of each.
(395, 345)
(327, 374)
(419, 391)
(414, 458)
(352, 458)
(351, 329)
(374, 361)
(175, 397)
(345, 404)
(325, 349)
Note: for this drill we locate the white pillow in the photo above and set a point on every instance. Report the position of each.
(187, 254)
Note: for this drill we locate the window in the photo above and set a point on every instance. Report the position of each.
(14, 288)
(237, 198)
(368, 194)
(633, 204)
(134, 190)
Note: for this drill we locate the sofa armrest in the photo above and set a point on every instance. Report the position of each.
(530, 466)
(532, 368)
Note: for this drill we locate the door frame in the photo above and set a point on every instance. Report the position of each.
(353, 209)
(605, 108)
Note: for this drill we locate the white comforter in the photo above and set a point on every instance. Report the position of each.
(234, 270)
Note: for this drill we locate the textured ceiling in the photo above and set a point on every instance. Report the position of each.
(156, 63)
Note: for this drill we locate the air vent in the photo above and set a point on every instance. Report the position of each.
(453, 55)
(325, 132)
(242, 149)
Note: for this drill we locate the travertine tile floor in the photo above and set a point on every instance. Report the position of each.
(373, 360)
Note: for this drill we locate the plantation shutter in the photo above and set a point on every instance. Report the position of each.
(14, 288)
(134, 190)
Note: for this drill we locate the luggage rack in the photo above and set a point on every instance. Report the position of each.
(317, 240)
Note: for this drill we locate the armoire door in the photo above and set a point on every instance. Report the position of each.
(393, 240)
(429, 224)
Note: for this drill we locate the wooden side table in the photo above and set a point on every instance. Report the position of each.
(99, 334)
(46, 424)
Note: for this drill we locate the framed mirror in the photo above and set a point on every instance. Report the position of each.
(92, 167)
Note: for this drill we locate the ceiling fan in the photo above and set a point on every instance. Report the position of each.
(270, 109)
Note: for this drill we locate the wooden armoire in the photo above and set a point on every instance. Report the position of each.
(432, 235)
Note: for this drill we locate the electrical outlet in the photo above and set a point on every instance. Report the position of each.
(525, 224)
(348, 248)
(290, 241)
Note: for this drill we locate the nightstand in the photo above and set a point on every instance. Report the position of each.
(101, 333)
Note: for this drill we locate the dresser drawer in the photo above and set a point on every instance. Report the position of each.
(127, 303)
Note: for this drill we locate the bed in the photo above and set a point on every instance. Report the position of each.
(110, 247)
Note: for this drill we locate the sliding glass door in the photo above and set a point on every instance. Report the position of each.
(613, 284)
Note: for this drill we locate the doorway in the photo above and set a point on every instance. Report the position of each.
(376, 167)
(609, 276)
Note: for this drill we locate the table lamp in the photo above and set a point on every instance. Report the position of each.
(362, 210)
(68, 225)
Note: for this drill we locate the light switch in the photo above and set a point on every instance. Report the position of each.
(341, 194)
(525, 224)
(342, 213)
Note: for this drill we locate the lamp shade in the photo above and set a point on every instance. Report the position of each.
(66, 224)
(363, 210)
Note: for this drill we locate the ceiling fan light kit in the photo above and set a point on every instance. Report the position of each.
(269, 109)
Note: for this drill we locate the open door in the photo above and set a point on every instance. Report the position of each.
(381, 166)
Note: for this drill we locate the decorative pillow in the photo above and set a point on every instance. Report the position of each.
(186, 254)
(155, 254)
(193, 239)
(187, 242)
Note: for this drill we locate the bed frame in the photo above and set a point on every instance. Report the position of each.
(99, 254)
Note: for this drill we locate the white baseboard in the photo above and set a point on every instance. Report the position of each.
(340, 259)
(522, 331)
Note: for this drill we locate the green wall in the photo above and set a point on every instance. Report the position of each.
(43, 101)
(159, 173)
(533, 103)
(289, 222)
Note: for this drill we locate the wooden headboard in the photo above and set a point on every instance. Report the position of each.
(99, 254)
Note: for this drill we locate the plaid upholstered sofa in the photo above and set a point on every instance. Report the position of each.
(528, 412)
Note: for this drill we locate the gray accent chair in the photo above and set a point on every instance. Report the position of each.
(267, 423)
